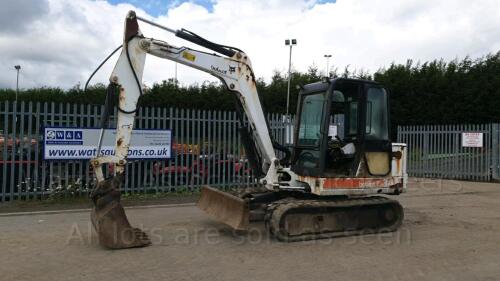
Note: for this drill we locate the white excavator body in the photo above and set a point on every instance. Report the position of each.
(328, 176)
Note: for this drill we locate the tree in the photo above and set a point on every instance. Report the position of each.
(435, 92)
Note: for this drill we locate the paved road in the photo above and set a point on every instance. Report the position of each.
(451, 232)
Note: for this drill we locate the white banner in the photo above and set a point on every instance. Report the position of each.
(81, 143)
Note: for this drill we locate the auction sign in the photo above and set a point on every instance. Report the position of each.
(80, 143)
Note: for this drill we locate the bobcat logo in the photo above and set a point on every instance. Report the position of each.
(217, 69)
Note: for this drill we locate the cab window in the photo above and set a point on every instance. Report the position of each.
(376, 114)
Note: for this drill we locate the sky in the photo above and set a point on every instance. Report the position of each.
(58, 43)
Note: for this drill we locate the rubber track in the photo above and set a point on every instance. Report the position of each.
(277, 209)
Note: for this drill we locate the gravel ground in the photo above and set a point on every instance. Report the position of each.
(451, 232)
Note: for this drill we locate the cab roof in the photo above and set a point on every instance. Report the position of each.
(325, 83)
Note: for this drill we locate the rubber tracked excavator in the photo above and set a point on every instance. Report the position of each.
(329, 184)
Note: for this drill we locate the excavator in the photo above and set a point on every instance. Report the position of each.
(329, 184)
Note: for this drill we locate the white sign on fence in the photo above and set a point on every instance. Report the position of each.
(470, 139)
(81, 143)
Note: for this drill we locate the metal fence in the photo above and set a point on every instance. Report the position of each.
(437, 151)
(206, 150)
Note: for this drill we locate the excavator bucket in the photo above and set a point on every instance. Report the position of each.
(109, 219)
(224, 207)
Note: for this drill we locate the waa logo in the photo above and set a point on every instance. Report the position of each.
(51, 135)
(64, 135)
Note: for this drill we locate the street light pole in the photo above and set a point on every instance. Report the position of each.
(289, 42)
(327, 74)
(17, 67)
(175, 75)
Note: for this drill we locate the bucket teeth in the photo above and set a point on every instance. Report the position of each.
(224, 207)
(110, 221)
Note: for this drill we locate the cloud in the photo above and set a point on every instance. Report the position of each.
(61, 44)
(17, 16)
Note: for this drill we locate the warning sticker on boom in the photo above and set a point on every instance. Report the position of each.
(188, 56)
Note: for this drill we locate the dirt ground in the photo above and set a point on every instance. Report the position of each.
(451, 231)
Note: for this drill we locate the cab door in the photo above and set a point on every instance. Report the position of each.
(307, 156)
(376, 140)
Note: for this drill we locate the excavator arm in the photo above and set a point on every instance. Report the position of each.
(233, 67)
(235, 73)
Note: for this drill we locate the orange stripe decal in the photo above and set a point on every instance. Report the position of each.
(341, 183)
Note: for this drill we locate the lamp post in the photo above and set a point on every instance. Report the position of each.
(327, 74)
(175, 81)
(291, 43)
(17, 67)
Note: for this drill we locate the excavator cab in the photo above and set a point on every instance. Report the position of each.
(342, 130)
(342, 150)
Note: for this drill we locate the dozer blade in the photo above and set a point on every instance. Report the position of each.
(224, 207)
(109, 219)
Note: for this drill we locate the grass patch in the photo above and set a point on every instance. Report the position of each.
(61, 201)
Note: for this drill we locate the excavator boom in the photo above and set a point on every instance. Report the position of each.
(233, 68)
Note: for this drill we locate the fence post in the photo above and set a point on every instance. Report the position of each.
(495, 151)
(13, 156)
(4, 149)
